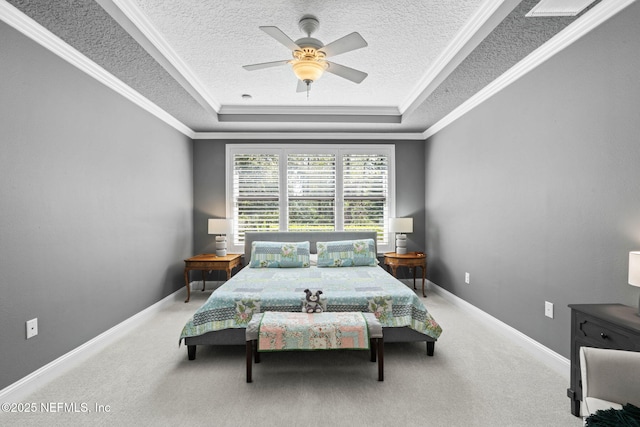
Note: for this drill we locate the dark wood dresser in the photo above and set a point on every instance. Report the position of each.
(614, 326)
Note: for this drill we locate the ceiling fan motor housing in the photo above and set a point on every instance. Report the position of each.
(309, 42)
(308, 24)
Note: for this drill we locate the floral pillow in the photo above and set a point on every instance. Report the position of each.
(279, 254)
(347, 253)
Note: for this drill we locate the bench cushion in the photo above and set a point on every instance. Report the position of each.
(373, 324)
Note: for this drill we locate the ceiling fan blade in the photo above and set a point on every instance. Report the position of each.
(346, 72)
(302, 86)
(262, 65)
(347, 43)
(277, 34)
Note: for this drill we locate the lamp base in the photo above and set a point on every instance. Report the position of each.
(401, 244)
(221, 245)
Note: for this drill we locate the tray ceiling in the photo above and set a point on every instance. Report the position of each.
(423, 59)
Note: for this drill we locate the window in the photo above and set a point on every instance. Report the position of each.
(256, 192)
(310, 188)
(311, 192)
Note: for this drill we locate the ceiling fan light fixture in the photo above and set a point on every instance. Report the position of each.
(308, 69)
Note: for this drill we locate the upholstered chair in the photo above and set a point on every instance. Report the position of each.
(610, 379)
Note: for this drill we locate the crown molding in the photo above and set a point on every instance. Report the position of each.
(363, 136)
(122, 19)
(488, 16)
(142, 23)
(305, 114)
(327, 110)
(36, 32)
(32, 29)
(146, 28)
(576, 30)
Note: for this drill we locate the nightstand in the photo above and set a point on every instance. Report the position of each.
(208, 262)
(412, 260)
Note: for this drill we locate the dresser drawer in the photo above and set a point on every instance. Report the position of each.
(598, 333)
(201, 264)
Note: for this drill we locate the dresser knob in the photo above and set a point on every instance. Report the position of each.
(603, 335)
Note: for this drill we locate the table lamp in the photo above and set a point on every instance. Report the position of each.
(634, 271)
(220, 227)
(401, 226)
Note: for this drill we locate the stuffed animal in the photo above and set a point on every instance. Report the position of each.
(311, 303)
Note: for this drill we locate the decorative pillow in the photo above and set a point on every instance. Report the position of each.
(279, 254)
(347, 253)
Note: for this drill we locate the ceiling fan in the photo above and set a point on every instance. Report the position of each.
(309, 54)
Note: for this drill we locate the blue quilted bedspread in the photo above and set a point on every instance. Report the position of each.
(365, 289)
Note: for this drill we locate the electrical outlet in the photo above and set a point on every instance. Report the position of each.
(467, 278)
(548, 309)
(32, 328)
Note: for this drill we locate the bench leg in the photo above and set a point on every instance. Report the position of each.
(380, 346)
(374, 348)
(191, 352)
(249, 350)
(430, 347)
(256, 354)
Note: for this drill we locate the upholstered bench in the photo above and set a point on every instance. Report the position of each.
(280, 331)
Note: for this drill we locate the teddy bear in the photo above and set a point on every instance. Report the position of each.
(311, 303)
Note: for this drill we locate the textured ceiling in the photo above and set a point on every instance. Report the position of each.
(216, 40)
(186, 57)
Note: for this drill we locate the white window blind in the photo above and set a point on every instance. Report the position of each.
(256, 194)
(311, 192)
(310, 188)
(365, 192)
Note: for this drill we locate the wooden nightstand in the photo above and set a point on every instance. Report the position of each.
(208, 262)
(412, 260)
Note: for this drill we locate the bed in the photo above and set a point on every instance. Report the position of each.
(223, 318)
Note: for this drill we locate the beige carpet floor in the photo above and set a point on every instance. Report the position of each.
(477, 377)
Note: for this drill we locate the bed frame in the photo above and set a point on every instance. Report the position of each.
(237, 336)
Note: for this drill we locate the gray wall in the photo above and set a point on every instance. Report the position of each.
(536, 192)
(209, 186)
(96, 199)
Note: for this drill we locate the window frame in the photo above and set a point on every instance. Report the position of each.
(339, 150)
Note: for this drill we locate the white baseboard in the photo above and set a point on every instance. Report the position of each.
(553, 360)
(19, 390)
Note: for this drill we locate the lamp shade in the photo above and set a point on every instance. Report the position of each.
(634, 268)
(219, 226)
(401, 225)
